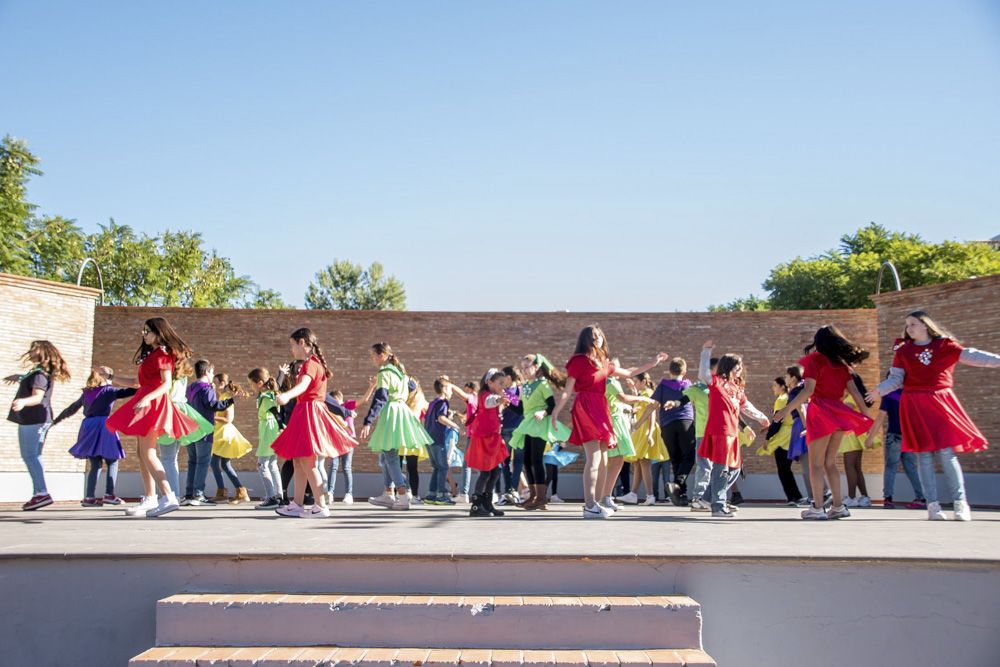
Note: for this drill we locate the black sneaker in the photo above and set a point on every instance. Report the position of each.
(478, 508)
(737, 499)
(267, 504)
(674, 493)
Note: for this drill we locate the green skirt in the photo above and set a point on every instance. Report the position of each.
(624, 446)
(539, 429)
(398, 428)
(267, 432)
(205, 427)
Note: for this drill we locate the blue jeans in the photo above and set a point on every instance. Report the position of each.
(95, 470)
(893, 452)
(702, 475)
(220, 465)
(391, 472)
(660, 470)
(31, 438)
(722, 479)
(952, 474)
(199, 454)
(267, 466)
(439, 475)
(331, 480)
(466, 472)
(168, 456)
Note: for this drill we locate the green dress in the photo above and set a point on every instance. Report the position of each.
(396, 427)
(534, 396)
(618, 420)
(178, 396)
(268, 427)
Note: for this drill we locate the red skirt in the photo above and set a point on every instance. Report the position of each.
(933, 420)
(312, 431)
(723, 450)
(826, 415)
(592, 421)
(485, 453)
(158, 419)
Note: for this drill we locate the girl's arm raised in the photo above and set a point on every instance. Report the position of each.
(705, 362)
(972, 357)
(631, 372)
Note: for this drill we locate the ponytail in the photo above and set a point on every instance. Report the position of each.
(305, 334)
(391, 358)
(262, 375)
(229, 385)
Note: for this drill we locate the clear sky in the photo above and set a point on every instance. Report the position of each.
(540, 155)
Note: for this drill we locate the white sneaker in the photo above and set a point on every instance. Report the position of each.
(962, 512)
(292, 510)
(348, 499)
(145, 504)
(814, 513)
(462, 499)
(731, 508)
(402, 503)
(414, 501)
(629, 498)
(165, 505)
(722, 514)
(556, 499)
(608, 503)
(650, 500)
(864, 501)
(850, 502)
(385, 500)
(512, 497)
(838, 512)
(596, 512)
(316, 512)
(699, 505)
(501, 501)
(934, 512)
(496, 499)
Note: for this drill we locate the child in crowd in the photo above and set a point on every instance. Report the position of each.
(487, 449)
(888, 415)
(268, 428)
(438, 425)
(345, 411)
(228, 443)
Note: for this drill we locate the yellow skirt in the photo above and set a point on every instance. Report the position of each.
(228, 442)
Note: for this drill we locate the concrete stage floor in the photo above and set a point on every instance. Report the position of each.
(760, 532)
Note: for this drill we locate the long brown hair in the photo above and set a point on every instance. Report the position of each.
(305, 334)
(228, 384)
(585, 343)
(727, 364)
(168, 338)
(644, 380)
(554, 376)
(262, 375)
(48, 359)
(934, 330)
(835, 346)
(386, 349)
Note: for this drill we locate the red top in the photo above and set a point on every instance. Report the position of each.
(725, 401)
(487, 421)
(928, 367)
(316, 391)
(589, 376)
(149, 370)
(831, 377)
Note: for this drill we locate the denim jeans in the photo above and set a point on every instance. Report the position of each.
(31, 438)
(439, 475)
(223, 465)
(335, 464)
(199, 455)
(94, 471)
(392, 474)
(660, 471)
(722, 479)
(952, 474)
(168, 456)
(466, 472)
(267, 466)
(702, 475)
(893, 452)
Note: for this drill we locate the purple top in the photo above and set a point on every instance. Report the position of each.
(673, 390)
(95, 401)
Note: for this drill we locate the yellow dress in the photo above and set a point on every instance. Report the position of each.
(783, 438)
(644, 448)
(227, 441)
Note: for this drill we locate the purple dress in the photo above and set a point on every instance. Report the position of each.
(94, 439)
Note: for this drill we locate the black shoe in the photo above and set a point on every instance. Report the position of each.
(478, 509)
(674, 493)
(488, 502)
(737, 499)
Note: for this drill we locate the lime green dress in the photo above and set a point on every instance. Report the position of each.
(534, 396)
(268, 427)
(178, 396)
(397, 427)
(618, 420)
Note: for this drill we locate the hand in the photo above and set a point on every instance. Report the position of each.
(281, 399)
(670, 405)
(284, 368)
(869, 442)
(504, 401)
(873, 396)
(142, 404)
(372, 380)
(555, 421)
(780, 415)
(366, 431)
(539, 416)
(12, 379)
(17, 405)
(762, 451)
(661, 357)
(764, 423)
(709, 345)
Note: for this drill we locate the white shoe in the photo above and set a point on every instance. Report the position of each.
(962, 512)
(348, 499)
(838, 512)
(934, 512)
(607, 503)
(730, 508)
(650, 500)
(496, 499)
(385, 500)
(316, 512)
(596, 512)
(722, 514)
(145, 504)
(402, 503)
(864, 501)
(500, 501)
(292, 510)
(556, 499)
(414, 501)
(462, 499)
(850, 502)
(814, 513)
(165, 505)
(629, 498)
(699, 505)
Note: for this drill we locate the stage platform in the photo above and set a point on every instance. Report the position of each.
(772, 589)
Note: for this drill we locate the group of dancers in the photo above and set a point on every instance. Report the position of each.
(512, 419)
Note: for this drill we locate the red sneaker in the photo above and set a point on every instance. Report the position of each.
(90, 502)
(918, 504)
(113, 500)
(37, 502)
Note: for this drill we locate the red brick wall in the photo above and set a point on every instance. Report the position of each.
(64, 314)
(464, 345)
(970, 309)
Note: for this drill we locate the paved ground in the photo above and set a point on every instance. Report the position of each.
(660, 531)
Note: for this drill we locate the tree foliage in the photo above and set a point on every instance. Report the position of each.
(347, 286)
(17, 165)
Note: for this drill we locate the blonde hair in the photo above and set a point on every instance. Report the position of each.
(97, 376)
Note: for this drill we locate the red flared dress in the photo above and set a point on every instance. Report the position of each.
(721, 444)
(160, 417)
(311, 429)
(591, 416)
(486, 449)
(827, 411)
(930, 416)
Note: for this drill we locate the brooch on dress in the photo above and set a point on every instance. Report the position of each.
(925, 357)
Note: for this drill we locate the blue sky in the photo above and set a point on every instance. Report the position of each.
(547, 155)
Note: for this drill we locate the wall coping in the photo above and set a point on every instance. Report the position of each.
(927, 289)
(38, 284)
(405, 313)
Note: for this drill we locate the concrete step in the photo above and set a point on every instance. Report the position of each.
(467, 622)
(330, 656)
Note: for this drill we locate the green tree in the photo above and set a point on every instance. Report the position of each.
(347, 286)
(264, 298)
(55, 248)
(17, 165)
(750, 303)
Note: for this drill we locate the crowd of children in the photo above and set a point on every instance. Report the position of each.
(631, 432)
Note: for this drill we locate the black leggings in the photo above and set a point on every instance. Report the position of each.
(788, 484)
(534, 467)
(287, 474)
(678, 436)
(486, 481)
(552, 477)
(412, 473)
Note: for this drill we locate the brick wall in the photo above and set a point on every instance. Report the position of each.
(970, 309)
(464, 345)
(64, 314)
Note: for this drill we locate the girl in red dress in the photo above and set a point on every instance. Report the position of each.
(727, 400)
(487, 450)
(588, 370)
(931, 418)
(150, 413)
(827, 371)
(311, 431)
